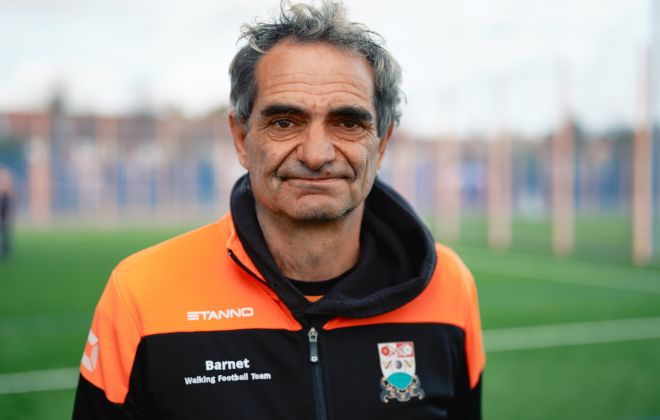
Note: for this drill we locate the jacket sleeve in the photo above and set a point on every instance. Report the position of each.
(466, 406)
(467, 402)
(112, 383)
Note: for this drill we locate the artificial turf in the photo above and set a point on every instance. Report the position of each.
(49, 288)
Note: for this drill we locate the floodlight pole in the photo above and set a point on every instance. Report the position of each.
(654, 122)
(563, 172)
(642, 204)
(499, 174)
(39, 169)
(448, 178)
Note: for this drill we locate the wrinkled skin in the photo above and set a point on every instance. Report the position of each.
(312, 151)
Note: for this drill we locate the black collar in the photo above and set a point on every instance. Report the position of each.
(397, 258)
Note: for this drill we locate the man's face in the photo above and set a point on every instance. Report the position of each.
(312, 148)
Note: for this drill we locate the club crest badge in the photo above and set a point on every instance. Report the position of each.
(397, 362)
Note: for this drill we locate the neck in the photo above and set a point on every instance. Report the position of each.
(312, 250)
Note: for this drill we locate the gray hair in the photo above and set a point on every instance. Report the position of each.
(324, 23)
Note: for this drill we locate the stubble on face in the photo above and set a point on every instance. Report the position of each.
(312, 146)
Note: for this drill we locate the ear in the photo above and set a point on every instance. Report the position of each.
(383, 144)
(240, 139)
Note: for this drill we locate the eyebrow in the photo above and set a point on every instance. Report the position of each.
(280, 109)
(354, 113)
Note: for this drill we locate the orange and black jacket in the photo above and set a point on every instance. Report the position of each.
(205, 326)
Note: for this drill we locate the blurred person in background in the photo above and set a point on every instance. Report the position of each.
(322, 294)
(5, 212)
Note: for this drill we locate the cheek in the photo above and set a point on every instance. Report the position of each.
(264, 159)
(262, 156)
(363, 158)
(371, 154)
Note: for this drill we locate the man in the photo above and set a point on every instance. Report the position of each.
(322, 295)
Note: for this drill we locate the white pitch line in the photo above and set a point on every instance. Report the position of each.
(564, 271)
(544, 336)
(39, 380)
(496, 340)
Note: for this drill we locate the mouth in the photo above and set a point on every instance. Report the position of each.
(316, 180)
(302, 175)
(314, 184)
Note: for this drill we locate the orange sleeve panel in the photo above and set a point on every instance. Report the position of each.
(474, 344)
(111, 345)
(450, 298)
(186, 284)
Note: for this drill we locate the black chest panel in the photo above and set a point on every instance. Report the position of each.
(255, 374)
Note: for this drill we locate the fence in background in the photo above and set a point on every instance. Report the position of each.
(108, 169)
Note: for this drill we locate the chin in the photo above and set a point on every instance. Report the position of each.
(318, 212)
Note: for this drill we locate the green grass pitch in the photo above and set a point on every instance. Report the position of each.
(50, 287)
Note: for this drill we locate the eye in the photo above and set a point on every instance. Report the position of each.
(283, 123)
(349, 124)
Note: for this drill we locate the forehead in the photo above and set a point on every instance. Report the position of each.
(314, 75)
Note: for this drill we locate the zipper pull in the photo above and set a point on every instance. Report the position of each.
(313, 345)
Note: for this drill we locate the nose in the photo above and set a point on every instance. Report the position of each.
(316, 149)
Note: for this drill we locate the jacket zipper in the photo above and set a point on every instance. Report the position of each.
(319, 398)
(317, 379)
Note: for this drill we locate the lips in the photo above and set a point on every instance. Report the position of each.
(324, 179)
(324, 173)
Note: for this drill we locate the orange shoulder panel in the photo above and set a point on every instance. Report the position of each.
(186, 284)
(450, 298)
(167, 286)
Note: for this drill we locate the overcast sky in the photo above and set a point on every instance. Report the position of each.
(115, 55)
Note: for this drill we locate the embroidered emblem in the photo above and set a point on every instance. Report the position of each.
(397, 362)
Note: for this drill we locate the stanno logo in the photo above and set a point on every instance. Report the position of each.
(229, 313)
